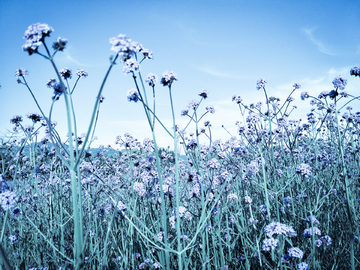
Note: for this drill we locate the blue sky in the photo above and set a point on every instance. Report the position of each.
(221, 46)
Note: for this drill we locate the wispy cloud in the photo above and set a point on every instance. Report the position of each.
(309, 34)
(66, 56)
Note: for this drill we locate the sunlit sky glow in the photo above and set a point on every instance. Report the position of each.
(221, 46)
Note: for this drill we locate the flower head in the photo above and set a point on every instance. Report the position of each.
(34, 35)
(122, 45)
(203, 93)
(8, 199)
(131, 65)
(60, 44)
(147, 54)
(304, 95)
(326, 240)
(58, 90)
(296, 252)
(339, 82)
(210, 109)
(304, 170)
(16, 119)
(297, 86)
(355, 71)
(168, 77)
(303, 266)
(139, 188)
(21, 72)
(34, 117)
(308, 232)
(65, 73)
(81, 73)
(279, 228)
(260, 83)
(151, 79)
(269, 244)
(132, 95)
(50, 83)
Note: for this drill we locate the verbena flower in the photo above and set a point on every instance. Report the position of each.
(168, 77)
(81, 73)
(260, 83)
(304, 170)
(355, 71)
(253, 167)
(182, 211)
(60, 44)
(248, 199)
(50, 83)
(131, 66)
(35, 117)
(151, 79)
(213, 163)
(296, 253)
(16, 119)
(34, 35)
(326, 240)
(122, 45)
(8, 199)
(303, 266)
(318, 243)
(13, 239)
(339, 82)
(139, 188)
(193, 104)
(21, 72)
(147, 54)
(58, 90)
(210, 109)
(297, 86)
(65, 73)
(314, 220)
(279, 229)
(287, 201)
(304, 95)
(203, 94)
(269, 244)
(308, 232)
(232, 197)
(132, 95)
(184, 112)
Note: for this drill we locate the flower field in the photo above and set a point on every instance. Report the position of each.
(282, 194)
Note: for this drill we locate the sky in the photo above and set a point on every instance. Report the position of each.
(222, 46)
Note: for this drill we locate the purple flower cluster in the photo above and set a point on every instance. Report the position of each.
(133, 95)
(168, 77)
(304, 170)
(339, 82)
(151, 79)
(308, 232)
(131, 66)
(127, 48)
(355, 71)
(60, 44)
(8, 199)
(65, 73)
(260, 84)
(20, 72)
(279, 229)
(81, 73)
(269, 244)
(295, 253)
(34, 35)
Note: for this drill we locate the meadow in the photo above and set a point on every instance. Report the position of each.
(282, 194)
